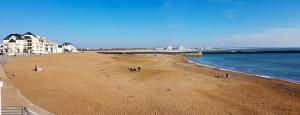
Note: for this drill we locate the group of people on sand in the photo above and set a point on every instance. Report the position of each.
(226, 75)
(135, 69)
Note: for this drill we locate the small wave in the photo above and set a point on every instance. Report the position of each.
(265, 76)
(257, 75)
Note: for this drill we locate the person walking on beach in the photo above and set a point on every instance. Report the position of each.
(226, 75)
(134, 69)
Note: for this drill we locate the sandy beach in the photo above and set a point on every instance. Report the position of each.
(91, 83)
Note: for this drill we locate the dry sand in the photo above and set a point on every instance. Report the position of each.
(90, 83)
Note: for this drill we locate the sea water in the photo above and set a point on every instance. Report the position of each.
(284, 66)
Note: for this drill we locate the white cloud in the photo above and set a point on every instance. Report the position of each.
(278, 37)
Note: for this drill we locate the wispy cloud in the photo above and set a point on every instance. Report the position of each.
(230, 13)
(220, 1)
(167, 4)
(276, 37)
(239, 3)
(175, 25)
(236, 2)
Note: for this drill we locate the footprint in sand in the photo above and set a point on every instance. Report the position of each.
(227, 112)
(119, 87)
(106, 75)
(168, 89)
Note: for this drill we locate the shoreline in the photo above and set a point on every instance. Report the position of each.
(240, 72)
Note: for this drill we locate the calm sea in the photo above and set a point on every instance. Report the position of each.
(285, 66)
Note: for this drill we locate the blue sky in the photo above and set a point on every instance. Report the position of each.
(156, 23)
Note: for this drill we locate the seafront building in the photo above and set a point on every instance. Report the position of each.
(171, 48)
(182, 48)
(28, 43)
(68, 47)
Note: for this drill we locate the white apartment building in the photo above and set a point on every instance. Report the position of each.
(28, 43)
(68, 47)
(181, 48)
(169, 48)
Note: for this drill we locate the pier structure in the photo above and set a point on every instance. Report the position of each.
(173, 52)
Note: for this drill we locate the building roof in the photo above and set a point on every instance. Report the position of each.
(12, 40)
(29, 33)
(27, 37)
(66, 43)
(18, 36)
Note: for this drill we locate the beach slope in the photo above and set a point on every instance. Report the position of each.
(91, 83)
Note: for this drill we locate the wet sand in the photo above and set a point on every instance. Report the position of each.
(90, 83)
